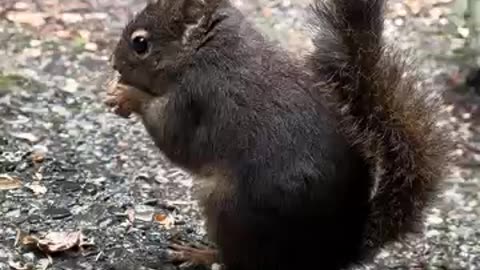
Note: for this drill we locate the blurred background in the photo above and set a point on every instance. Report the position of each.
(88, 190)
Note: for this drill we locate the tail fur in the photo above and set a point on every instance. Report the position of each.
(383, 113)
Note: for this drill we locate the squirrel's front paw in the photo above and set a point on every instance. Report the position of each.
(123, 99)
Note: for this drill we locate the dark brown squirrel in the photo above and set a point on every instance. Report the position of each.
(340, 151)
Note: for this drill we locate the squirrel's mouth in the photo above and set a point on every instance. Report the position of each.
(118, 79)
(134, 78)
(125, 75)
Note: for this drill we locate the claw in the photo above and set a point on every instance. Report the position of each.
(192, 256)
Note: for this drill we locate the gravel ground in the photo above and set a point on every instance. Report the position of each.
(67, 165)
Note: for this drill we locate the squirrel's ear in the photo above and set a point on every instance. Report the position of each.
(193, 10)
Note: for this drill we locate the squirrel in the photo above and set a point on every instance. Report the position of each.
(341, 150)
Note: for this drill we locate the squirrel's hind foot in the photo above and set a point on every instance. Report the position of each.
(186, 255)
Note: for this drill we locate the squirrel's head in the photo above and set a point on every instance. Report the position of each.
(162, 38)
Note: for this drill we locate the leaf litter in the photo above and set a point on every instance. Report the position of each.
(53, 242)
(8, 182)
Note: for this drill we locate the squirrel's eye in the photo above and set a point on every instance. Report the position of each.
(139, 42)
(140, 45)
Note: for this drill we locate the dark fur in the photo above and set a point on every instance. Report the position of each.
(293, 170)
(384, 114)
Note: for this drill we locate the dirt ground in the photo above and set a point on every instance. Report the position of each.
(68, 165)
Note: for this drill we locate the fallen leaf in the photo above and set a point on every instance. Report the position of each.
(160, 217)
(166, 220)
(37, 188)
(52, 242)
(9, 182)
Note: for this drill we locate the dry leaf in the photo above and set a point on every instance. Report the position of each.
(53, 241)
(160, 217)
(9, 182)
(166, 220)
(61, 241)
(37, 188)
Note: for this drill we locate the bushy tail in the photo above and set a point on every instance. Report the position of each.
(384, 114)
